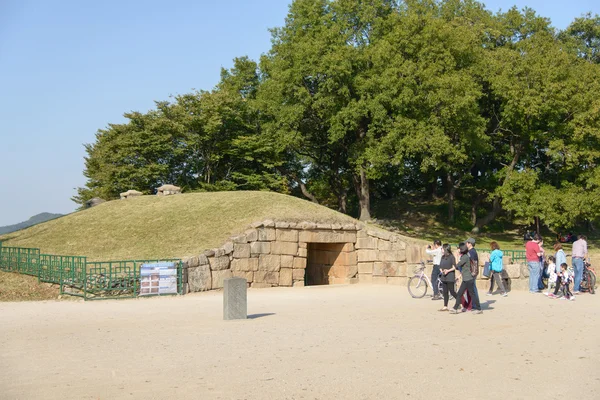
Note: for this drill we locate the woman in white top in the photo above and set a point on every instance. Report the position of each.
(436, 252)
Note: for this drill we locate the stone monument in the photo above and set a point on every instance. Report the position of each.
(167, 190)
(130, 193)
(235, 298)
(94, 202)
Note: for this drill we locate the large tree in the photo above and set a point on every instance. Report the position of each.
(318, 90)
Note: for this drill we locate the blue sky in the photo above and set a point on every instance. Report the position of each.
(68, 68)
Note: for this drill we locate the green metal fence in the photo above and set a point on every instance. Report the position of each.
(18, 259)
(515, 255)
(79, 277)
(121, 279)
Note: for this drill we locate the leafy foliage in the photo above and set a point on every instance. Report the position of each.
(363, 101)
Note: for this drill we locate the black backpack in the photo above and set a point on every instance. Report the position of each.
(474, 268)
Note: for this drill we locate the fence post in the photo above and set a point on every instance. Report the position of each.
(135, 275)
(61, 274)
(180, 277)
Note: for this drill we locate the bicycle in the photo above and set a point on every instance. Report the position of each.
(418, 283)
(588, 280)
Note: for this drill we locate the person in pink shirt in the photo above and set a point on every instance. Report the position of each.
(580, 252)
(533, 252)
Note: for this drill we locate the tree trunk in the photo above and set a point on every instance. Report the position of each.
(305, 192)
(590, 225)
(343, 201)
(431, 190)
(496, 207)
(451, 196)
(537, 225)
(340, 191)
(474, 207)
(361, 185)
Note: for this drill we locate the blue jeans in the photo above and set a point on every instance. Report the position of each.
(534, 275)
(578, 269)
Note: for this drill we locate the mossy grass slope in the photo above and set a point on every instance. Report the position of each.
(150, 227)
(17, 287)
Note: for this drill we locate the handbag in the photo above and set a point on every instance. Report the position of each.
(486, 269)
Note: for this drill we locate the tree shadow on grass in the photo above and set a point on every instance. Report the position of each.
(255, 316)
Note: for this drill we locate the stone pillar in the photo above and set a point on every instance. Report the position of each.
(235, 299)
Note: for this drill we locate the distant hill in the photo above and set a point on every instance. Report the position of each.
(36, 219)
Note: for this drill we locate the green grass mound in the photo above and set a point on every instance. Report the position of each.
(150, 227)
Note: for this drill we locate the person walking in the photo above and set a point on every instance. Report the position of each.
(436, 252)
(559, 256)
(566, 280)
(447, 267)
(552, 274)
(533, 254)
(470, 243)
(580, 253)
(496, 269)
(468, 281)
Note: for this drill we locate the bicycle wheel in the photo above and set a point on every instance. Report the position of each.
(583, 285)
(592, 282)
(441, 290)
(417, 287)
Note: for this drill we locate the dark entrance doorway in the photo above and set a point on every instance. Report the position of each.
(328, 263)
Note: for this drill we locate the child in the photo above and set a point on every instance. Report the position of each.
(566, 278)
(551, 274)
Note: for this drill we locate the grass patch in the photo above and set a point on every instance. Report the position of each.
(17, 287)
(150, 227)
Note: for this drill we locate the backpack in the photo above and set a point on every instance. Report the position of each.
(474, 268)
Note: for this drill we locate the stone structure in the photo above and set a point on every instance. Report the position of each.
(167, 190)
(94, 202)
(130, 193)
(297, 254)
(235, 299)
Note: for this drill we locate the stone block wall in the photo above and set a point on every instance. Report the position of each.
(288, 254)
(383, 257)
(271, 254)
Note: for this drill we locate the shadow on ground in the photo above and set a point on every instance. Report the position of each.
(255, 316)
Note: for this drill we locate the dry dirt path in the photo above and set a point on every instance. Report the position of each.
(345, 342)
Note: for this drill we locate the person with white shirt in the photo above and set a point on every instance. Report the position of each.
(579, 253)
(436, 252)
(552, 275)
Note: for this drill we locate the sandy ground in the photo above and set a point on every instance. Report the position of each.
(343, 342)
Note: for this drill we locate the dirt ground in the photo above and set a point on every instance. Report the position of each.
(343, 342)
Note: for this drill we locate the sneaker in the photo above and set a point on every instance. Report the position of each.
(477, 312)
(463, 310)
(453, 311)
(443, 309)
(489, 294)
(552, 296)
(576, 292)
(564, 298)
(572, 298)
(437, 297)
(504, 294)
